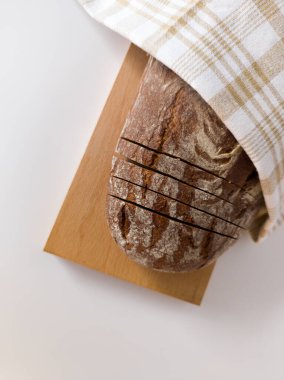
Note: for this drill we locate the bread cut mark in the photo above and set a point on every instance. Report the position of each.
(125, 158)
(185, 193)
(186, 162)
(179, 201)
(179, 169)
(147, 198)
(172, 218)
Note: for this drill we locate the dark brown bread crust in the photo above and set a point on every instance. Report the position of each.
(172, 208)
(161, 243)
(170, 116)
(182, 188)
(239, 214)
(180, 170)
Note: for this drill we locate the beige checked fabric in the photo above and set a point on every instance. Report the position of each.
(232, 53)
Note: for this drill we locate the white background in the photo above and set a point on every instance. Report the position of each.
(60, 321)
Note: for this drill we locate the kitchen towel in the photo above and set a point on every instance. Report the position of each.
(232, 53)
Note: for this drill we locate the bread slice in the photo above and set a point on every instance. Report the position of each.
(180, 170)
(238, 214)
(172, 208)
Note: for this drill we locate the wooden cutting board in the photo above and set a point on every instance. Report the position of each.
(80, 232)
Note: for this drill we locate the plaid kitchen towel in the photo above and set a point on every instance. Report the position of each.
(232, 53)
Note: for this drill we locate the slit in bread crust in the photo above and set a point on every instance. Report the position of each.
(125, 158)
(186, 162)
(171, 217)
(174, 199)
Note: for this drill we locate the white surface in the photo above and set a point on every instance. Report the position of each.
(60, 321)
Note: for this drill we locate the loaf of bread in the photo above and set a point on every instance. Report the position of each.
(181, 187)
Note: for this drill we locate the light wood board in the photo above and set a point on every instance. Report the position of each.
(80, 232)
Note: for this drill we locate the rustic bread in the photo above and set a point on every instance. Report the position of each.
(181, 187)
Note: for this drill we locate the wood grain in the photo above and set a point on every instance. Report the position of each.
(81, 233)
